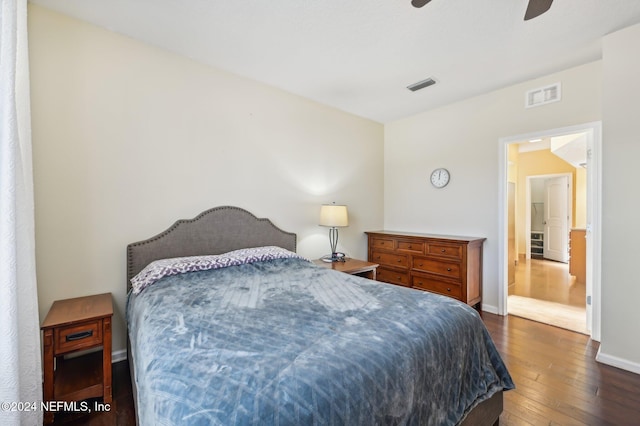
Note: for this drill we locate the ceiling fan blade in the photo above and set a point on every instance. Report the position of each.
(537, 8)
(419, 3)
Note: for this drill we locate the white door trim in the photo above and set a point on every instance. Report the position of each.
(594, 214)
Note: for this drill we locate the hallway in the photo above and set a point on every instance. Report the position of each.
(548, 280)
(538, 282)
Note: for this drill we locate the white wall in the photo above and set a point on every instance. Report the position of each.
(127, 138)
(463, 137)
(620, 344)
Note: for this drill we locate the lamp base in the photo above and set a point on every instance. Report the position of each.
(335, 257)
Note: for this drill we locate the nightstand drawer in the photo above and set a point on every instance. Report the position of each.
(78, 336)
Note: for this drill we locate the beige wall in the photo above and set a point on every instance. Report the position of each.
(620, 203)
(127, 138)
(464, 137)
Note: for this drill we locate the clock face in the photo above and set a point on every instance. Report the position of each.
(440, 178)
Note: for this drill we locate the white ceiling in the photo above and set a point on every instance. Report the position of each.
(571, 148)
(359, 55)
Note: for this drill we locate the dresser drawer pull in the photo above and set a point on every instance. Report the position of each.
(448, 288)
(448, 269)
(443, 250)
(79, 335)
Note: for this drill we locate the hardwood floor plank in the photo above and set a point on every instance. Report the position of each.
(121, 409)
(538, 414)
(558, 379)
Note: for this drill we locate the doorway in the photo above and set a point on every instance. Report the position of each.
(592, 135)
(548, 216)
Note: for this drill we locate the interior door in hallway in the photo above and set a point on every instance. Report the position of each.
(556, 218)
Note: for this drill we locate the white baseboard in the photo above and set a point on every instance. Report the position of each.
(117, 356)
(614, 361)
(490, 309)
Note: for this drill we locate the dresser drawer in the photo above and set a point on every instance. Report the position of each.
(411, 246)
(83, 335)
(393, 277)
(440, 267)
(391, 259)
(437, 286)
(443, 249)
(383, 243)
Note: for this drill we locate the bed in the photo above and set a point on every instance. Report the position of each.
(266, 337)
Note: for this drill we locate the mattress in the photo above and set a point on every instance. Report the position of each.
(285, 342)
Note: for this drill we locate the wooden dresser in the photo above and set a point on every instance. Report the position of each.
(448, 265)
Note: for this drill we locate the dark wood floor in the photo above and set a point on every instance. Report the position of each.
(558, 381)
(122, 410)
(557, 378)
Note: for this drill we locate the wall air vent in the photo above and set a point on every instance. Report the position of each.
(543, 95)
(421, 84)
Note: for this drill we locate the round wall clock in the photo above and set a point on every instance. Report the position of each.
(440, 177)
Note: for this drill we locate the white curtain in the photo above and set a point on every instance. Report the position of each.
(20, 365)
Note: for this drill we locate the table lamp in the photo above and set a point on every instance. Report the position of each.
(333, 216)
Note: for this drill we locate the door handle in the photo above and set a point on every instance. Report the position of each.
(79, 335)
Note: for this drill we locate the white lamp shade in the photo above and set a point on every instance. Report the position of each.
(333, 215)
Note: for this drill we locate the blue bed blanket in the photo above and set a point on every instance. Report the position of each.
(285, 342)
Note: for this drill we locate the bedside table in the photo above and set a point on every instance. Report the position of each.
(351, 266)
(74, 325)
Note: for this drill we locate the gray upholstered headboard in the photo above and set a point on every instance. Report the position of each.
(214, 231)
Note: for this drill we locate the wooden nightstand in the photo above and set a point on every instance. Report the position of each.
(74, 325)
(352, 266)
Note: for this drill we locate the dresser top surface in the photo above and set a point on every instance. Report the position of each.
(451, 238)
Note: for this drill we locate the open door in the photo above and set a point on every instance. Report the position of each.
(556, 219)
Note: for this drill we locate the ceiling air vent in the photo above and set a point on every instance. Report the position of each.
(543, 95)
(421, 84)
